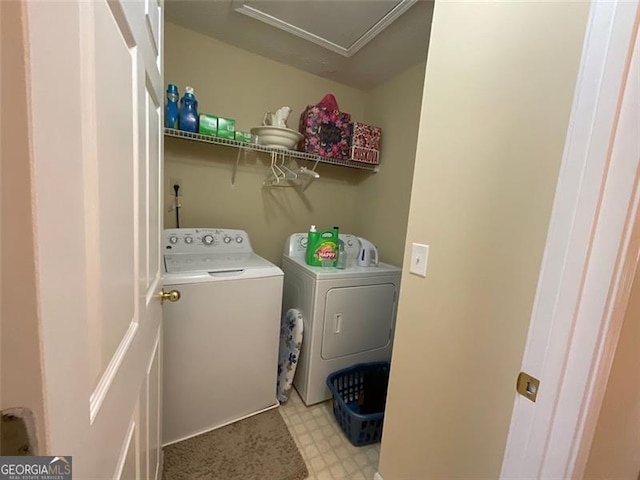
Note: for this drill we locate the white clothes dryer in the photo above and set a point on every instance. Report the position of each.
(221, 338)
(349, 314)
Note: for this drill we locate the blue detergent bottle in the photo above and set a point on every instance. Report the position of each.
(171, 111)
(189, 111)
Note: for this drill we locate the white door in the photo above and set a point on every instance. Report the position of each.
(592, 250)
(96, 127)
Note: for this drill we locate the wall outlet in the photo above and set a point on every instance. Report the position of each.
(175, 181)
(419, 256)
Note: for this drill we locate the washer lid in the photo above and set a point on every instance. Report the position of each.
(204, 262)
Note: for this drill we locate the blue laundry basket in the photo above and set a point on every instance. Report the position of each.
(352, 384)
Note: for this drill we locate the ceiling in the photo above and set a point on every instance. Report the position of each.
(361, 43)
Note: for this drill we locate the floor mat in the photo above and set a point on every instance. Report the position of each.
(256, 448)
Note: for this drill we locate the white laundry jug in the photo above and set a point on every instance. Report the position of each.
(368, 254)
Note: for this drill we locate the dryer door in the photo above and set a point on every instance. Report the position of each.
(357, 319)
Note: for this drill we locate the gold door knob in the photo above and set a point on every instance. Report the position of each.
(172, 296)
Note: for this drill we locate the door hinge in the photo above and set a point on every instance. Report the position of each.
(527, 386)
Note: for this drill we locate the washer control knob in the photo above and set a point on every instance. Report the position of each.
(239, 239)
(173, 239)
(188, 240)
(227, 239)
(207, 239)
(350, 243)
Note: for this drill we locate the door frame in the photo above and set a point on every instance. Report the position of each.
(589, 262)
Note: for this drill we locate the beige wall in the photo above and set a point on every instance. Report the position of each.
(21, 370)
(358, 201)
(498, 92)
(615, 451)
(383, 199)
(232, 82)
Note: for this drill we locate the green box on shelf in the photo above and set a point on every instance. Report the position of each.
(244, 137)
(208, 125)
(226, 128)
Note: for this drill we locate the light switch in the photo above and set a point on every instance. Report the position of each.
(419, 255)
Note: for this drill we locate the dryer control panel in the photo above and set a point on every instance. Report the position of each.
(296, 245)
(205, 240)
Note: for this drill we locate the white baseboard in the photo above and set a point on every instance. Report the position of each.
(377, 476)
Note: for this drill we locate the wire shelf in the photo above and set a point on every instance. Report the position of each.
(171, 132)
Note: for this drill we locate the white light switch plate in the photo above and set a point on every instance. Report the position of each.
(419, 256)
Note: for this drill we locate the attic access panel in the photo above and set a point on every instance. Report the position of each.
(342, 26)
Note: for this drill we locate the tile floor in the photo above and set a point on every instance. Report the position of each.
(325, 449)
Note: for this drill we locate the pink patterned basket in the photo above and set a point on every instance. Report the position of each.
(326, 132)
(365, 143)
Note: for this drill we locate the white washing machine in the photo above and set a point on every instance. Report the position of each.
(221, 338)
(349, 315)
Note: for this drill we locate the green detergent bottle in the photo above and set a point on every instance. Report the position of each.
(322, 247)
